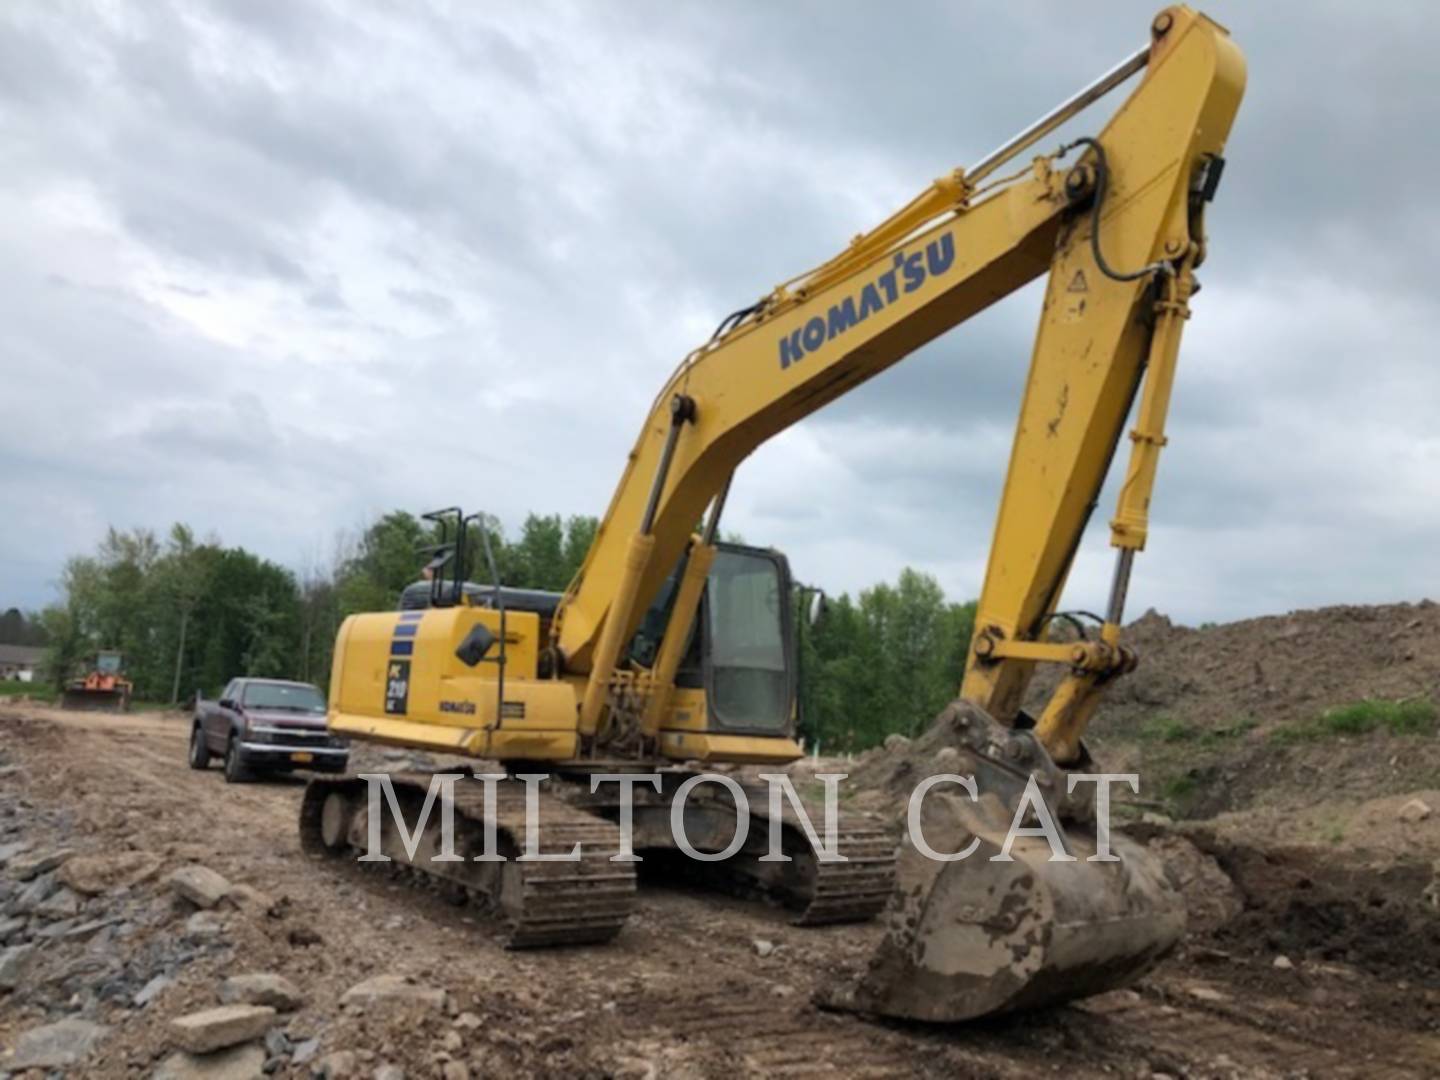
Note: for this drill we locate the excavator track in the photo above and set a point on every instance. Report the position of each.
(820, 892)
(541, 903)
(843, 892)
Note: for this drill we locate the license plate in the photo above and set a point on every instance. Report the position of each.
(302, 758)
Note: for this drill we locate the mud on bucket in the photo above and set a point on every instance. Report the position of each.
(973, 937)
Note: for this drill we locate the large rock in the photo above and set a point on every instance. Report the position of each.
(200, 885)
(14, 964)
(237, 1063)
(151, 990)
(1414, 812)
(11, 928)
(25, 867)
(393, 988)
(203, 926)
(250, 900)
(304, 1050)
(55, 1046)
(337, 1066)
(90, 929)
(34, 894)
(10, 850)
(53, 931)
(62, 904)
(215, 1029)
(262, 988)
(95, 874)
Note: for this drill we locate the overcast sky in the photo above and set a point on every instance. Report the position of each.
(271, 268)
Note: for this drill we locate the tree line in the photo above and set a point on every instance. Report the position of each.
(191, 614)
(884, 663)
(18, 628)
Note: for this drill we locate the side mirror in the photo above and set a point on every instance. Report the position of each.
(226, 703)
(816, 605)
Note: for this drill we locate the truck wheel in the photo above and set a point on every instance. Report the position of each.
(199, 752)
(235, 770)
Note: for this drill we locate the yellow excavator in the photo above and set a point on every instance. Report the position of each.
(671, 654)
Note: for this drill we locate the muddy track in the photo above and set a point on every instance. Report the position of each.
(683, 990)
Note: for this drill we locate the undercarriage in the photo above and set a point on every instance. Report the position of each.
(582, 886)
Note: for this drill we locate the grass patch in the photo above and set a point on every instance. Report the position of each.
(43, 691)
(1408, 716)
(1177, 792)
(1240, 726)
(1178, 787)
(1293, 734)
(40, 691)
(1167, 729)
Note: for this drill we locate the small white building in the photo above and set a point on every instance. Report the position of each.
(20, 662)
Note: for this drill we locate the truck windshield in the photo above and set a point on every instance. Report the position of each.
(280, 696)
(750, 684)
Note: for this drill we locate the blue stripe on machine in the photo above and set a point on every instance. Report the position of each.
(406, 629)
(402, 648)
(411, 616)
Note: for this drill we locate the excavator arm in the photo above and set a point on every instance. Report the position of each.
(1116, 223)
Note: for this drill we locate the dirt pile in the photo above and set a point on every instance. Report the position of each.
(1226, 718)
(1333, 907)
(882, 779)
(1276, 669)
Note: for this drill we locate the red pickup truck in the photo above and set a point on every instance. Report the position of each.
(265, 725)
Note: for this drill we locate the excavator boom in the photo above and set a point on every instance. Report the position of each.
(1118, 232)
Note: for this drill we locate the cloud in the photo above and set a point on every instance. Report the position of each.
(272, 267)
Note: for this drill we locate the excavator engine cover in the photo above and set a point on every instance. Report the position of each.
(971, 937)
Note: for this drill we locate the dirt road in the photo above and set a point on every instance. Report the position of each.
(683, 992)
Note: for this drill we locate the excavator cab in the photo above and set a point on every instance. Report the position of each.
(741, 650)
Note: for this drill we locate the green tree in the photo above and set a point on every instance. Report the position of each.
(67, 646)
(385, 560)
(885, 663)
(251, 619)
(580, 533)
(21, 628)
(319, 621)
(180, 581)
(538, 557)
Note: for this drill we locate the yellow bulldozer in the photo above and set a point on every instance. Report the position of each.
(671, 655)
(102, 688)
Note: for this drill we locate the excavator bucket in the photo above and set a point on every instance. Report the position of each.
(981, 934)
